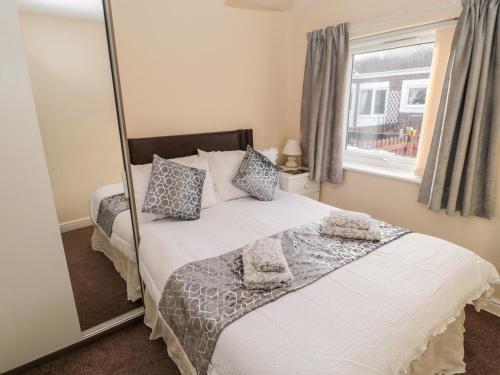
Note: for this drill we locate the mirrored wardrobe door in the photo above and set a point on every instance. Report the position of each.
(70, 70)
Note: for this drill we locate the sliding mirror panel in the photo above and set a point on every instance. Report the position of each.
(69, 64)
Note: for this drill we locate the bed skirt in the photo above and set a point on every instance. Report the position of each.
(443, 354)
(124, 266)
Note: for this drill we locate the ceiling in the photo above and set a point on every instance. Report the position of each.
(86, 9)
(92, 9)
(276, 5)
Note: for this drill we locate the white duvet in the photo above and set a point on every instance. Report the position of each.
(122, 237)
(373, 316)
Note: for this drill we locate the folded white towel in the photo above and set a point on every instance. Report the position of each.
(350, 219)
(370, 234)
(268, 255)
(253, 279)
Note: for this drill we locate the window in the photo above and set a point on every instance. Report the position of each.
(352, 102)
(416, 96)
(365, 102)
(372, 98)
(390, 76)
(379, 102)
(413, 95)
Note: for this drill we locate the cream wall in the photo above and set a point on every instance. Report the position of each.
(38, 314)
(69, 67)
(388, 199)
(195, 66)
(442, 51)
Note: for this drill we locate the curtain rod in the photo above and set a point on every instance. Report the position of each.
(422, 26)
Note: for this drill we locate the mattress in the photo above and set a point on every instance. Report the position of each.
(373, 316)
(122, 237)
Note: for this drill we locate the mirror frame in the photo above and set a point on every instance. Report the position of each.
(113, 324)
(108, 20)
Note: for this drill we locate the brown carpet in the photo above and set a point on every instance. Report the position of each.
(126, 352)
(130, 352)
(482, 342)
(100, 292)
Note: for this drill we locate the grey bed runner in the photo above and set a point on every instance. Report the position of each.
(201, 298)
(109, 208)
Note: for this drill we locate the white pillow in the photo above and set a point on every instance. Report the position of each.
(209, 197)
(142, 173)
(270, 153)
(224, 165)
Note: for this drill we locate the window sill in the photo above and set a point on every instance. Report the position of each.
(383, 172)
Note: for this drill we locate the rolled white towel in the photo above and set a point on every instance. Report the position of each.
(350, 219)
(370, 234)
(253, 279)
(268, 255)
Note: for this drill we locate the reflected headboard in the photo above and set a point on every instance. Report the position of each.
(175, 146)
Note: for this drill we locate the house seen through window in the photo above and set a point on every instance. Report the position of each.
(387, 100)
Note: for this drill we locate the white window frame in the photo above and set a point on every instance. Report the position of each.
(371, 162)
(408, 84)
(352, 99)
(373, 87)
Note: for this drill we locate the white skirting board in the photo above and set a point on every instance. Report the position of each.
(494, 307)
(75, 224)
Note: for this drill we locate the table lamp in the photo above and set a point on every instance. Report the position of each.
(292, 149)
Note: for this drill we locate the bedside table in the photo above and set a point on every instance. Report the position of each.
(299, 183)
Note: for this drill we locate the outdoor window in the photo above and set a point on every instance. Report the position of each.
(413, 95)
(388, 92)
(372, 98)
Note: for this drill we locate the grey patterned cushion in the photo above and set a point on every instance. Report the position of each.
(257, 175)
(174, 190)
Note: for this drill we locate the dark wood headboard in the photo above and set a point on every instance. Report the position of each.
(175, 146)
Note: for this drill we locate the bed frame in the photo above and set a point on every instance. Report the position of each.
(175, 146)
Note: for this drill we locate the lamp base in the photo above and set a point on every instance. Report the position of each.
(291, 163)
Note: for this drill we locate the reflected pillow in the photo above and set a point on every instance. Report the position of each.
(174, 190)
(257, 175)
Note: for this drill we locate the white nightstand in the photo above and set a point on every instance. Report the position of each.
(299, 183)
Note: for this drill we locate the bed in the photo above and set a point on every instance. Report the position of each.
(397, 310)
(119, 247)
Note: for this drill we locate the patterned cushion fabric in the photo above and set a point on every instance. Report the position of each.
(174, 190)
(141, 175)
(257, 175)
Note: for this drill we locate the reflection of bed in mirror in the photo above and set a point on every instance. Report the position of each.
(118, 246)
(376, 313)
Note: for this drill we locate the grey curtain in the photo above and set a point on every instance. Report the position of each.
(323, 94)
(460, 170)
